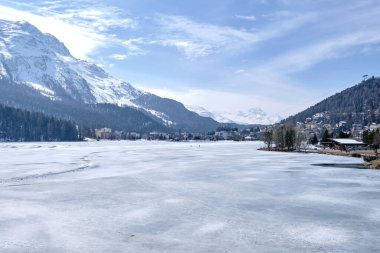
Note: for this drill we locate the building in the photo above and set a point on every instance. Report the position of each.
(373, 127)
(357, 131)
(222, 135)
(344, 144)
(103, 133)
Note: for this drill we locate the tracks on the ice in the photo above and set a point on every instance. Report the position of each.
(86, 166)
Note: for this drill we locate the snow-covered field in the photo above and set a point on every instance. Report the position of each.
(182, 197)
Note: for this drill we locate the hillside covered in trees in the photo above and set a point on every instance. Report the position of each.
(87, 115)
(358, 104)
(21, 125)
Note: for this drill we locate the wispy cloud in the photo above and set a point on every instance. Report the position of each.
(83, 26)
(80, 41)
(134, 46)
(339, 46)
(270, 56)
(190, 49)
(275, 77)
(196, 39)
(118, 57)
(89, 14)
(348, 35)
(211, 99)
(249, 18)
(100, 19)
(240, 71)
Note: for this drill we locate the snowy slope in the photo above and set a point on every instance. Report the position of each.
(40, 61)
(205, 113)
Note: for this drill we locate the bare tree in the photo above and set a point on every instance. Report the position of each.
(279, 137)
(376, 141)
(300, 138)
(268, 138)
(290, 137)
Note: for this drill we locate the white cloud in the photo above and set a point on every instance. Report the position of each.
(133, 46)
(118, 57)
(81, 29)
(306, 57)
(240, 71)
(249, 18)
(190, 49)
(79, 40)
(319, 34)
(273, 78)
(100, 19)
(220, 101)
(197, 39)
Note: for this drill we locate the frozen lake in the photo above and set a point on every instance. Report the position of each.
(182, 197)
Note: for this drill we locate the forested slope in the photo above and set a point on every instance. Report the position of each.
(21, 125)
(358, 104)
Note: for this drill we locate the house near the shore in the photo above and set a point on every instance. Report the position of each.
(344, 144)
(374, 127)
(103, 133)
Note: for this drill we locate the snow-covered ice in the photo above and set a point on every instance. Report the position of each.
(182, 197)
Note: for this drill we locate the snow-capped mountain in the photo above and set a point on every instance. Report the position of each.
(250, 116)
(39, 61)
(205, 113)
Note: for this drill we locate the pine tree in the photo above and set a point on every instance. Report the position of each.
(313, 140)
(326, 135)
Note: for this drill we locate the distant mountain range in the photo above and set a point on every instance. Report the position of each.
(37, 72)
(358, 104)
(251, 116)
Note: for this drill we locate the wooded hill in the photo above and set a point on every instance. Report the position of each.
(87, 115)
(358, 104)
(21, 125)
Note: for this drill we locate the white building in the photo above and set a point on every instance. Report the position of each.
(373, 127)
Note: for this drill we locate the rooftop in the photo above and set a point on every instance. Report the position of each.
(347, 141)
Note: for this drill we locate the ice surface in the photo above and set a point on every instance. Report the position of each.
(182, 197)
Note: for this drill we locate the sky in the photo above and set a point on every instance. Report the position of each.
(224, 55)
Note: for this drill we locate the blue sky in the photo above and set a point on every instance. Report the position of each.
(224, 55)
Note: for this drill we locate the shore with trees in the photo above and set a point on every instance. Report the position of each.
(285, 138)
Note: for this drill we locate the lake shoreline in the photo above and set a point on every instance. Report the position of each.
(374, 164)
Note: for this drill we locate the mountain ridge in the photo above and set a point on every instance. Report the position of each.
(39, 61)
(252, 116)
(357, 104)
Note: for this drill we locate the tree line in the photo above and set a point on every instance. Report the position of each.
(286, 138)
(21, 125)
(283, 138)
(372, 138)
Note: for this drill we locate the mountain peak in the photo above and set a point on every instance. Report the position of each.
(22, 34)
(41, 62)
(26, 26)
